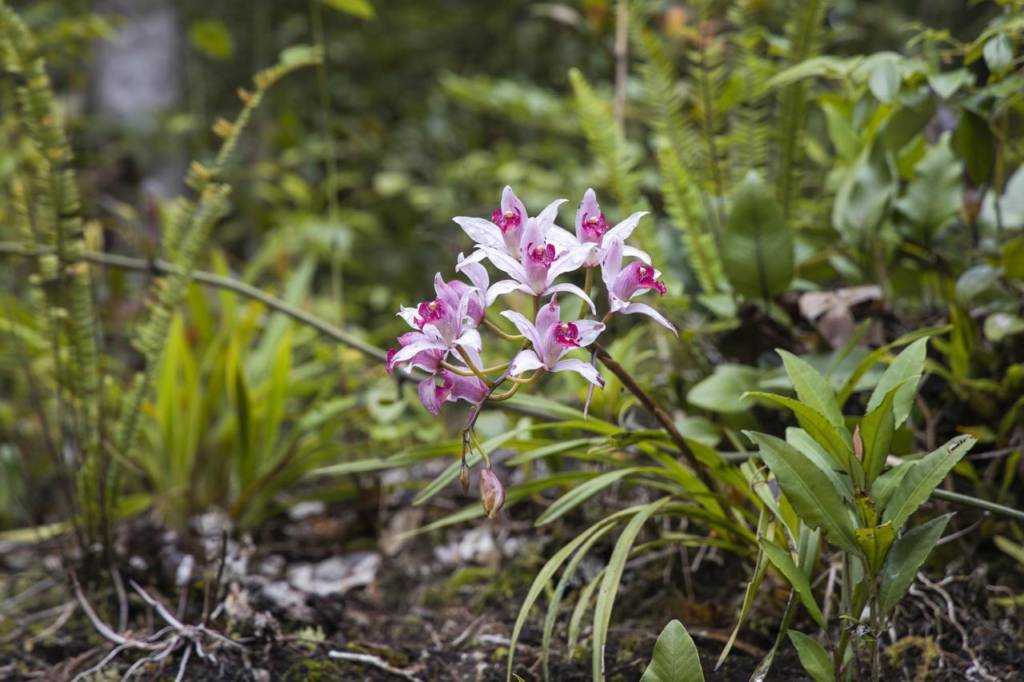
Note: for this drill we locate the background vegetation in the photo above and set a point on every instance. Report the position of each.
(196, 348)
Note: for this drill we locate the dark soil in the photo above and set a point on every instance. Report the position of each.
(439, 620)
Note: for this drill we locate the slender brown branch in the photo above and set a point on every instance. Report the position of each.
(659, 413)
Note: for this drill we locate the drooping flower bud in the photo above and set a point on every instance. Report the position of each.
(464, 477)
(492, 493)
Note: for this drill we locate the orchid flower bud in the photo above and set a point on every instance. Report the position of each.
(492, 493)
(464, 477)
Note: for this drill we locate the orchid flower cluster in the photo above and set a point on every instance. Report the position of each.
(534, 254)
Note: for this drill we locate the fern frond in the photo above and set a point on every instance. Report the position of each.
(607, 142)
(192, 226)
(803, 33)
(677, 148)
(64, 232)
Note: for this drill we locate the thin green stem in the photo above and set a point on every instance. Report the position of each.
(500, 332)
(472, 366)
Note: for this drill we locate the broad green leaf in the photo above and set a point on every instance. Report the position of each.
(782, 560)
(813, 451)
(675, 657)
(357, 8)
(828, 435)
(998, 53)
(904, 374)
(932, 199)
(884, 80)
(813, 657)
(917, 486)
(610, 583)
(757, 246)
(974, 142)
(864, 194)
(947, 84)
(811, 387)
(810, 492)
(876, 430)
(721, 391)
(906, 556)
(875, 356)
(1001, 325)
(885, 485)
(875, 542)
(581, 493)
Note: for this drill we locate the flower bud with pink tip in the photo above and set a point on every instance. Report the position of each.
(492, 492)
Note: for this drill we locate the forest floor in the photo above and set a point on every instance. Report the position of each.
(439, 606)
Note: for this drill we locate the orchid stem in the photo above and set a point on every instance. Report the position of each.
(469, 363)
(655, 409)
(525, 382)
(588, 284)
(497, 330)
(462, 372)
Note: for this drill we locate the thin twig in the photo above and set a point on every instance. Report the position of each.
(663, 418)
(375, 661)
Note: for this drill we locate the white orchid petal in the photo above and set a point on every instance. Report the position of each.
(584, 369)
(571, 289)
(506, 263)
(524, 326)
(644, 309)
(549, 213)
(481, 231)
(500, 288)
(633, 252)
(588, 331)
(524, 361)
(626, 227)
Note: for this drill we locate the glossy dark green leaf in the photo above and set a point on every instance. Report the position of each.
(811, 387)
(865, 195)
(876, 431)
(998, 53)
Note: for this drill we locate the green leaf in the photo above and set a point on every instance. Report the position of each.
(582, 493)
(884, 80)
(885, 485)
(760, 567)
(721, 391)
(813, 450)
(1001, 325)
(357, 8)
(212, 38)
(865, 193)
(811, 387)
(907, 555)
(947, 84)
(835, 442)
(998, 54)
(1010, 548)
(932, 200)
(610, 583)
(675, 657)
(757, 247)
(876, 431)
(812, 495)
(875, 356)
(904, 374)
(782, 560)
(875, 542)
(974, 143)
(917, 486)
(813, 657)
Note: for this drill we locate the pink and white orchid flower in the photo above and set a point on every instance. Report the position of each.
(593, 236)
(551, 339)
(539, 263)
(623, 283)
(505, 228)
(447, 322)
(447, 386)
